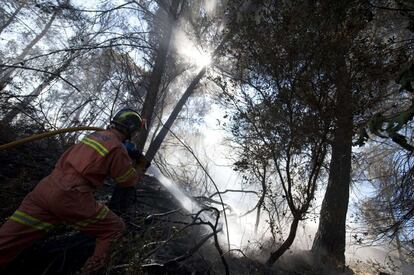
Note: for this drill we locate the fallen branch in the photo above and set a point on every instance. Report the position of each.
(146, 256)
(216, 241)
(233, 190)
(190, 252)
(153, 216)
(206, 199)
(196, 221)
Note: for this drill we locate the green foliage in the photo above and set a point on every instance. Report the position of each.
(393, 123)
(362, 137)
(406, 78)
(375, 125)
(398, 122)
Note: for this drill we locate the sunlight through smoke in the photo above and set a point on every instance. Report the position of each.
(210, 6)
(189, 52)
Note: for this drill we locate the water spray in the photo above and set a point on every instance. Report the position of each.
(186, 201)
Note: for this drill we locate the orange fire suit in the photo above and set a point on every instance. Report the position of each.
(66, 196)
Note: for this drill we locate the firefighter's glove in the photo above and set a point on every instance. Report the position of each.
(142, 164)
(132, 150)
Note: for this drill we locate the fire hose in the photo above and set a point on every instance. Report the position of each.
(46, 135)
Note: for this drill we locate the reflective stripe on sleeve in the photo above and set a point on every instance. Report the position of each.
(26, 219)
(96, 146)
(126, 175)
(101, 215)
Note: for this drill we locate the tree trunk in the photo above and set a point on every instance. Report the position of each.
(5, 77)
(157, 73)
(160, 137)
(274, 256)
(121, 197)
(13, 16)
(155, 145)
(261, 200)
(259, 208)
(154, 86)
(329, 243)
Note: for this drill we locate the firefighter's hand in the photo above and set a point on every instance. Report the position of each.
(142, 165)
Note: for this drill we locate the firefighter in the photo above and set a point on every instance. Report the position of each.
(66, 195)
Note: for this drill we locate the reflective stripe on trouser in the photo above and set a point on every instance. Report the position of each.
(15, 237)
(100, 216)
(26, 225)
(47, 205)
(26, 219)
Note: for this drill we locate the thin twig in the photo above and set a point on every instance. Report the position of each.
(41, 71)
